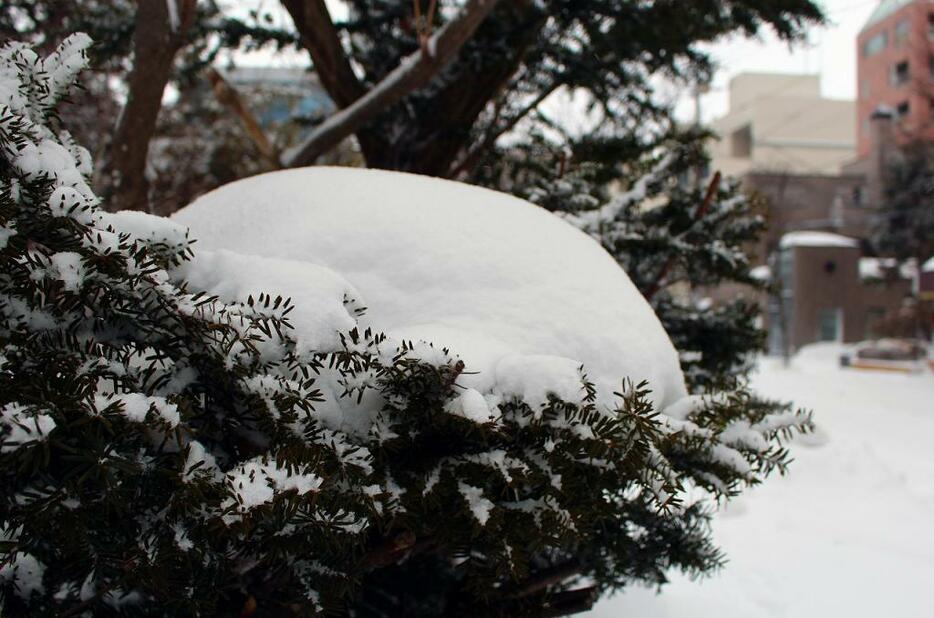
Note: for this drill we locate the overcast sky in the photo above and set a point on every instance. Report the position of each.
(830, 52)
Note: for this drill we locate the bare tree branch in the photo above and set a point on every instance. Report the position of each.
(413, 72)
(157, 37)
(472, 157)
(228, 96)
(319, 36)
(570, 602)
(546, 578)
(445, 126)
(423, 23)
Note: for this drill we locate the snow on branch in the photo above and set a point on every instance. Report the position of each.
(174, 19)
(590, 220)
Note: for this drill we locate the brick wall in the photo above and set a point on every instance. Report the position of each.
(902, 39)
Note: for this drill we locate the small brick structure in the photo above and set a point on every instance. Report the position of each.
(926, 282)
(827, 293)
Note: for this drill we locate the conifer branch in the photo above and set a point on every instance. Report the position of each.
(656, 283)
(570, 602)
(546, 578)
(473, 156)
(404, 544)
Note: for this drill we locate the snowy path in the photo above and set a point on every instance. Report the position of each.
(850, 531)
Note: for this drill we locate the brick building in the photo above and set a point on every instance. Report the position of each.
(818, 231)
(820, 216)
(822, 201)
(926, 282)
(818, 202)
(895, 70)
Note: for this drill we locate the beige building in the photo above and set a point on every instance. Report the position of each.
(781, 124)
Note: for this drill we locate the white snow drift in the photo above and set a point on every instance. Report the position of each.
(848, 532)
(521, 296)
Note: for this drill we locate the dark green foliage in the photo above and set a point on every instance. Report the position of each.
(161, 452)
(614, 51)
(609, 49)
(905, 226)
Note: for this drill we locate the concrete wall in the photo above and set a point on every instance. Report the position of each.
(748, 88)
(780, 123)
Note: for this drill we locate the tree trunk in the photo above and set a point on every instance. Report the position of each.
(414, 72)
(443, 129)
(159, 33)
(321, 40)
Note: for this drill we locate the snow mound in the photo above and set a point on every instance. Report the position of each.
(500, 282)
(821, 356)
(318, 293)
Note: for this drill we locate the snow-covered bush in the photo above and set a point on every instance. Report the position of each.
(167, 452)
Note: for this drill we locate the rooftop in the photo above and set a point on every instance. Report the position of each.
(816, 239)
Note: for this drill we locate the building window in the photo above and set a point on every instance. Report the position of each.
(857, 196)
(741, 142)
(931, 66)
(902, 109)
(864, 88)
(899, 75)
(931, 25)
(829, 327)
(902, 29)
(876, 44)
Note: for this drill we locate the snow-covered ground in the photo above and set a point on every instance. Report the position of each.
(849, 532)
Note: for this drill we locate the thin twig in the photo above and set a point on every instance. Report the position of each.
(490, 138)
(413, 72)
(547, 577)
